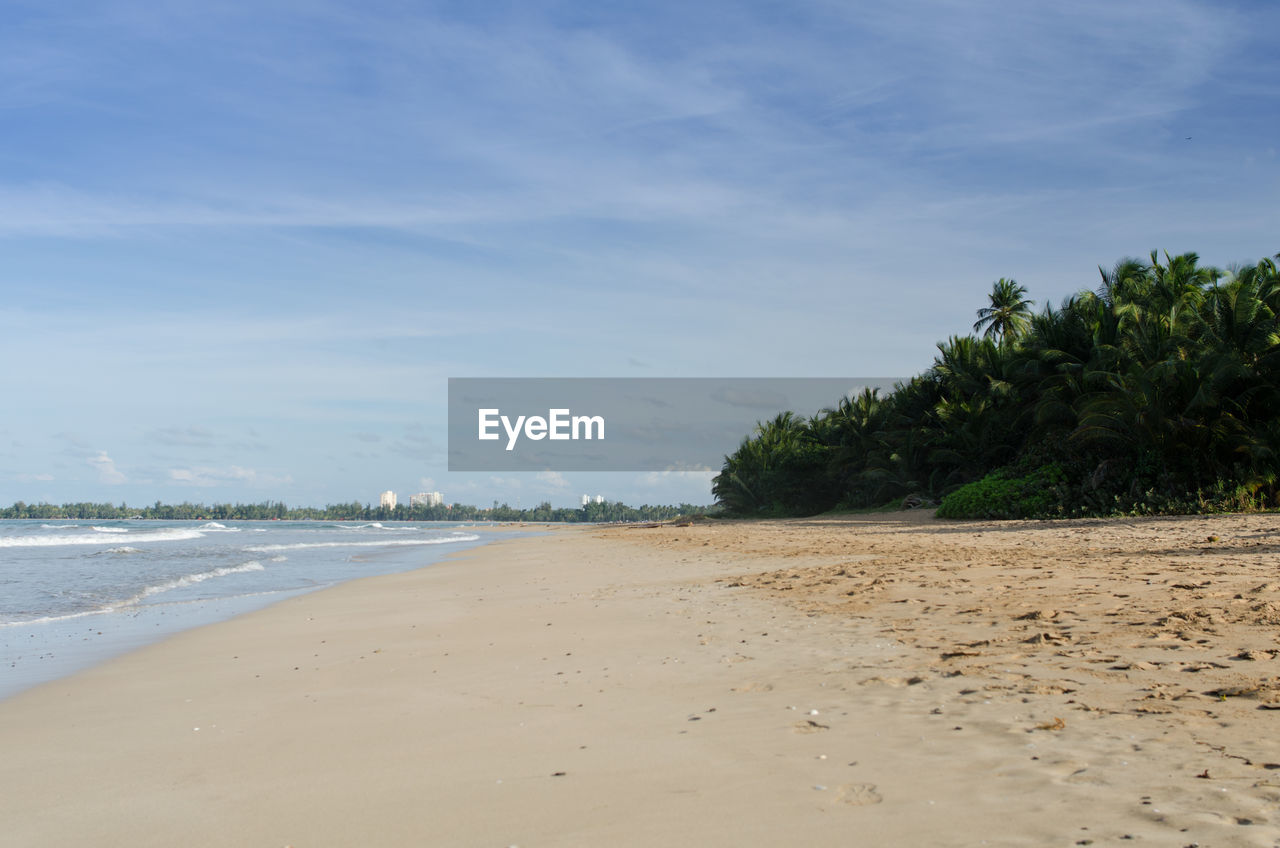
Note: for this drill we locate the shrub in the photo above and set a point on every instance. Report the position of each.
(999, 495)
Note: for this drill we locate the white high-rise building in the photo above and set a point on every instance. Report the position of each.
(599, 499)
(426, 499)
(586, 499)
(388, 499)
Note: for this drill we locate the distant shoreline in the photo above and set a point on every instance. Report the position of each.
(592, 513)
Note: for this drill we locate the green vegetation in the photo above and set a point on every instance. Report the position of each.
(1000, 496)
(268, 511)
(1158, 392)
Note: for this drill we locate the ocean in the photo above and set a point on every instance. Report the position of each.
(73, 593)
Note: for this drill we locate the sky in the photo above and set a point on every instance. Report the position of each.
(245, 245)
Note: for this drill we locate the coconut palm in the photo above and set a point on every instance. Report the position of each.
(1158, 391)
(1008, 314)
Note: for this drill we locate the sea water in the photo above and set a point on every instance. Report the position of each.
(73, 593)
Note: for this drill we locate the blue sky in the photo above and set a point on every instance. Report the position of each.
(245, 245)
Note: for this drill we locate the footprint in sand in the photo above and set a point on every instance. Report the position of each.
(753, 687)
(858, 794)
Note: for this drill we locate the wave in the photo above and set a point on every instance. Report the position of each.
(373, 525)
(215, 527)
(148, 592)
(110, 529)
(60, 526)
(379, 544)
(175, 534)
(192, 579)
(123, 550)
(48, 619)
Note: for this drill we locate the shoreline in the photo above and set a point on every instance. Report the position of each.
(63, 642)
(758, 684)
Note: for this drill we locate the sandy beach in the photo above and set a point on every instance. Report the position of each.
(880, 680)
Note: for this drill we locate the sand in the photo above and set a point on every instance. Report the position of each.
(881, 680)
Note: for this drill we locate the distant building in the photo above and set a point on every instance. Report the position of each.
(599, 499)
(388, 499)
(426, 499)
(586, 499)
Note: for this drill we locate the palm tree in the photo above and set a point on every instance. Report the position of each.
(1159, 390)
(1009, 312)
(779, 469)
(1130, 280)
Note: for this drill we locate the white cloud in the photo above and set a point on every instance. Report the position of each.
(662, 478)
(206, 477)
(552, 479)
(106, 467)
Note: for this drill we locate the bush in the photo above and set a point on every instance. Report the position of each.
(999, 495)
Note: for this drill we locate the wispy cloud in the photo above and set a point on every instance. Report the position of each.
(299, 219)
(206, 477)
(416, 443)
(106, 468)
(553, 480)
(663, 478)
(182, 436)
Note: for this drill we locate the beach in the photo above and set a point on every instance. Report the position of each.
(871, 680)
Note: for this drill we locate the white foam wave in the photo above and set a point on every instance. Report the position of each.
(192, 579)
(215, 527)
(380, 544)
(373, 525)
(52, 618)
(175, 534)
(110, 529)
(124, 550)
(150, 591)
(60, 526)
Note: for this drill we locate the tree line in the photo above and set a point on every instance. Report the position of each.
(1158, 391)
(607, 511)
